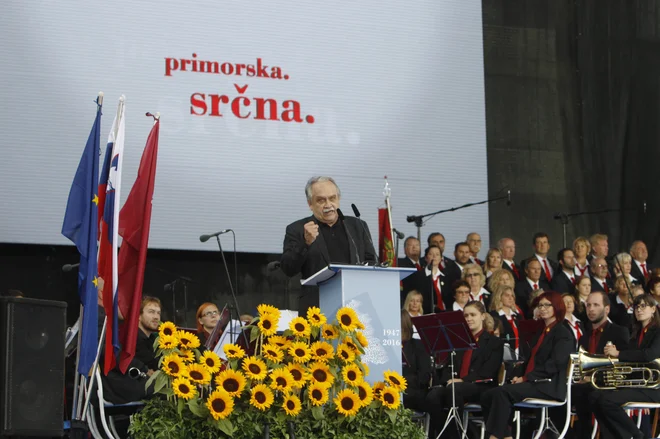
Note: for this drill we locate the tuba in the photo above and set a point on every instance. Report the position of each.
(607, 373)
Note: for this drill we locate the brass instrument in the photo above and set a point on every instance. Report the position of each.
(606, 373)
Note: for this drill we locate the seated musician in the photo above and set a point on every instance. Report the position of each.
(207, 317)
(644, 347)
(598, 333)
(416, 366)
(476, 370)
(544, 372)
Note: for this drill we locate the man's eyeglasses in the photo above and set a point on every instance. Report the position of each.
(211, 314)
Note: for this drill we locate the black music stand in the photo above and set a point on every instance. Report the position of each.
(446, 332)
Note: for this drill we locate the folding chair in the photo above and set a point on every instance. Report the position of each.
(107, 421)
(423, 419)
(476, 408)
(630, 406)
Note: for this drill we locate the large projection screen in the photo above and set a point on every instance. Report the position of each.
(255, 97)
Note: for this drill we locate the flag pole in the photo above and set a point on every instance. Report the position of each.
(387, 191)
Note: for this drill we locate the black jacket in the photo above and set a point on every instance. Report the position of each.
(424, 285)
(554, 265)
(637, 273)
(518, 267)
(596, 286)
(508, 335)
(617, 334)
(561, 283)
(485, 363)
(523, 290)
(416, 364)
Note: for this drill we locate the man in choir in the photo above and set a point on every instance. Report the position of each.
(532, 282)
(413, 251)
(599, 246)
(474, 241)
(597, 334)
(312, 243)
(462, 255)
(564, 280)
(541, 243)
(508, 248)
(640, 269)
(599, 274)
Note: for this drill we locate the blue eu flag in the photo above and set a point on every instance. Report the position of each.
(81, 227)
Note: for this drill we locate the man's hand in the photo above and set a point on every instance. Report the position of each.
(311, 232)
(517, 380)
(455, 380)
(150, 372)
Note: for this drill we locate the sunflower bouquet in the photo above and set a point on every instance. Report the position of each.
(310, 381)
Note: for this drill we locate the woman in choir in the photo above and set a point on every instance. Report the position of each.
(503, 307)
(644, 347)
(474, 371)
(544, 371)
(621, 311)
(461, 295)
(416, 366)
(623, 265)
(207, 318)
(500, 277)
(582, 291)
(581, 248)
(493, 262)
(653, 288)
(413, 305)
(573, 323)
(475, 277)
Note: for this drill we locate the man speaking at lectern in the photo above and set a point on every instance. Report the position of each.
(313, 243)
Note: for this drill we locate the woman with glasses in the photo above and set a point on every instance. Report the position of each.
(644, 347)
(207, 318)
(475, 277)
(544, 371)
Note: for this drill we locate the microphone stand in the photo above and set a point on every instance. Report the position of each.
(418, 219)
(564, 217)
(172, 287)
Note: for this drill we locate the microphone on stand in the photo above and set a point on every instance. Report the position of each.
(366, 232)
(508, 198)
(205, 238)
(357, 253)
(68, 267)
(399, 235)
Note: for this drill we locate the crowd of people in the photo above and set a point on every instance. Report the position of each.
(527, 318)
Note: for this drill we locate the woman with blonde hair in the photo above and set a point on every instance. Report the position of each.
(493, 262)
(581, 249)
(414, 303)
(503, 307)
(475, 277)
(500, 277)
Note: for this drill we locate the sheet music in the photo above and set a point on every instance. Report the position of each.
(229, 336)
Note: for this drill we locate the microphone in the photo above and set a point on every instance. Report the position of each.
(170, 287)
(508, 198)
(272, 266)
(342, 217)
(644, 207)
(205, 238)
(366, 232)
(399, 235)
(68, 267)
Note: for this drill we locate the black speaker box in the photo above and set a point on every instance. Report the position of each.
(32, 367)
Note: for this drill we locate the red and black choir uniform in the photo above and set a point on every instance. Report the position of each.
(548, 359)
(644, 347)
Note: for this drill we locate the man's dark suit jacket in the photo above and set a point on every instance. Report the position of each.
(554, 265)
(618, 335)
(561, 283)
(523, 290)
(637, 273)
(596, 286)
(485, 363)
(298, 257)
(407, 263)
(521, 272)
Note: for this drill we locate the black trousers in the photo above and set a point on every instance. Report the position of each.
(415, 399)
(440, 398)
(497, 405)
(580, 400)
(614, 422)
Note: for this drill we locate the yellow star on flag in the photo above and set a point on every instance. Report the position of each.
(96, 281)
(95, 200)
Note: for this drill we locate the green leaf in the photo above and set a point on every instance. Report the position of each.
(161, 381)
(391, 414)
(317, 412)
(254, 333)
(226, 427)
(179, 406)
(197, 408)
(152, 378)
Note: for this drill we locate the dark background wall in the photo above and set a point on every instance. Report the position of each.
(572, 117)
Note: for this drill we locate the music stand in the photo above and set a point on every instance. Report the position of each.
(223, 320)
(446, 332)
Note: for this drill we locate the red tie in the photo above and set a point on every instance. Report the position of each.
(438, 295)
(536, 286)
(593, 341)
(467, 359)
(605, 287)
(515, 270)
(419, 267)
(646, 273)
(578, 333)
(573, 280)
(530, 364)
(547, 270)
(582, 270)
(641, 337)
(512, 322)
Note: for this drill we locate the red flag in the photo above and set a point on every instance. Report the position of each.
(134, 223)
(385, 241)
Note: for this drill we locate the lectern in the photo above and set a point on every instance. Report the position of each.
(374, 294)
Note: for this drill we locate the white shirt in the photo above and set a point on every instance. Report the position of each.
(574, 321)
(629, 308)
(578, 272)
(415, 334)
(531, 283)
(541, 259)
(639, 265)
(456, 307)
(480, 296)
(601, 282)
(509, 263)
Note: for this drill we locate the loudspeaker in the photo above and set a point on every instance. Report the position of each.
(32, 367)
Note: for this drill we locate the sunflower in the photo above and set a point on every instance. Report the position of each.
(183, 388)
(320, 374)
(298, 373)
(378, 388)
(272, 352)
(255, 368)
(187, 355)
(300, 352)
(231, 381)
(322, 351)
(345, 354)
(362, 339)
(352, 375)
(211, 361)
(365, 368)
(365, 393)
(233, 351)
(347, 319)
(268, 324)
(167, 342)
(390, 398)
(300, 327)
(279, 341)
(166, 329)
(220, 404)
(348, 402)
(281, 379)
(329, 332)
(268, 309)
(395, 380)
(262, 397)
(292, 405)
(360, 326)
(199, 374)
(187, 340)
(318, 394)
(173, 366)
(315, 317)
(348, 341)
